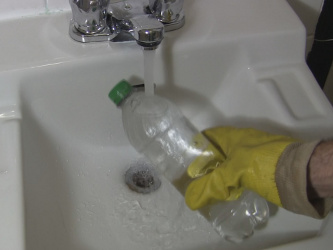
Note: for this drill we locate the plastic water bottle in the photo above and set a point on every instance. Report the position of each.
(157, 129)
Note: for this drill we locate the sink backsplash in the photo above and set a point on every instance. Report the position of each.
(21, 8)
(308, 9)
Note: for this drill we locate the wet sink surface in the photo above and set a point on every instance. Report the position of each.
(75, 155)
(64, 138)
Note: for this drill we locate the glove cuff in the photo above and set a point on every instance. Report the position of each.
(291, 181)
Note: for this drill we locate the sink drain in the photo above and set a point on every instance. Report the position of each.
(142, 178)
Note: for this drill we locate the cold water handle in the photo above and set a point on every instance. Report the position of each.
(89, 16)
(169, 12)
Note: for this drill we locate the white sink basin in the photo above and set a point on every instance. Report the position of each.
(63, 150)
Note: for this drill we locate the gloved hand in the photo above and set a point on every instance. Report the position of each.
(249, 161)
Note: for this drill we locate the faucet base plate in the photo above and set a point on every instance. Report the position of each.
(174, 25)
(75, 34)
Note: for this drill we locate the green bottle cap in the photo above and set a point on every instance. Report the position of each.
(120, 92)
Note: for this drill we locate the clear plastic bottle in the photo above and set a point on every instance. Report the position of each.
(157, 129)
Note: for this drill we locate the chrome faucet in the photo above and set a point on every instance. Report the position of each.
(169, 12)
(123, 20)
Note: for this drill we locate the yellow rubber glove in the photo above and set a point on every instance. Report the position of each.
(249, 159)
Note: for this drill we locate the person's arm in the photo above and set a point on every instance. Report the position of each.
(304, 177)
(320, 171)
(292, 174)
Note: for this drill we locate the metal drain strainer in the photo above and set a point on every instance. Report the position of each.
(142, 178)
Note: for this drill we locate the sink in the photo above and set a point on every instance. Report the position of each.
(64, 153)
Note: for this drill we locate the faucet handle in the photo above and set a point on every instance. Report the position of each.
(89, 16)
(91, 22)
(169, 12)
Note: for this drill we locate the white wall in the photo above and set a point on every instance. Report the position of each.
(20, 8)
(307, 10)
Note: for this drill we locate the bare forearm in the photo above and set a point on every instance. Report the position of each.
(304, 177)
(320, 171)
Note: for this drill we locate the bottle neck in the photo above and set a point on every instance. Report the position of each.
(125, 99)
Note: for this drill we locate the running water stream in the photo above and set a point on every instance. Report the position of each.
(148, 63)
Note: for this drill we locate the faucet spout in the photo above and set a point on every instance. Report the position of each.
(147, 31)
